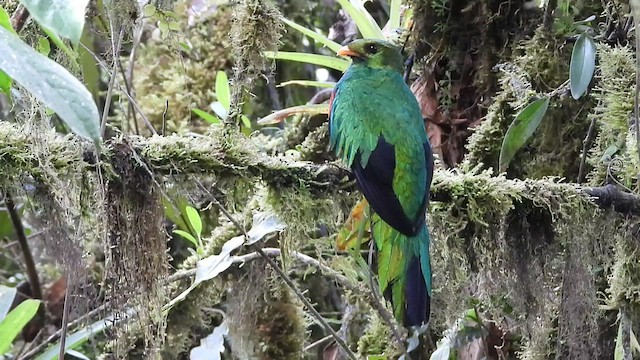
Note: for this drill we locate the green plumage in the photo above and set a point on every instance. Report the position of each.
(377, 129)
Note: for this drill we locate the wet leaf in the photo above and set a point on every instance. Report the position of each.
(223, 90)
(15, 320)
(583, 64)
(6, 299)
(211, 119)
(63, 17)
(52, 84)
(521, 129)
(320, 60)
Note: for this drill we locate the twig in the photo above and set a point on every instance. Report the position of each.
(65, 318)
(55, 336)
(133, 102)
(32, 273)
(316, 343)
(288, 281)
(112, 80)
(586, 144)
(547, 21)
(19, 18)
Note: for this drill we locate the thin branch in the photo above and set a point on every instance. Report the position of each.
(19, 18)
(288, 281)
(586, 144)
(112, 80)
(133, 102)
(65, 321)
(30, 265)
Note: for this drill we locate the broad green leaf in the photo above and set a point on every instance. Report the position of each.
(332, 45)
(320, 60)
(280, 115)
(148, 10)
(88, 64)
(6, 299)
(364, 21)
(321, 84)
(194, 220)
(211, 119)
(52, 84)
(521, 129)
(15, 320)
(223, 91)
(5, 80)
(187, 236)
(64, 17)
(583, 63)
(44, 46)
(246, 121)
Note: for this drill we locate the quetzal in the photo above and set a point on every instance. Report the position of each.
(376, 128)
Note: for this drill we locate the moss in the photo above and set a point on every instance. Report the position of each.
(256, 28)
(526, 250)
(169, 82)
(614, 94)
(265, 320)
(557, 143)
(375, 340)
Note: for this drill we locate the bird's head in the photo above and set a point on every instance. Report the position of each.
(374, 53)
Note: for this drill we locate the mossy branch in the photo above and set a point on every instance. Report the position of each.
(25, 155)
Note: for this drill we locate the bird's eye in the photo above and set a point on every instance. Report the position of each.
(371, 48)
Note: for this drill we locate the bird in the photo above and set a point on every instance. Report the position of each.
(376, 128)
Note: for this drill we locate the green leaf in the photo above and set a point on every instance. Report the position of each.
(187, 236)
(246, 121)
(52, 84)
(394, 15)
(223, 91)
(320, 60)
(5, 80)
(583, 64)
(321, 84)
(81, 336)
(148, 10)
(521, 129)
(15, 320)
(44, 46)
(194, 220)
(332, 45)
(6, 299)
(63, 17)
(364, 21)
(280, 115)
(211, 119)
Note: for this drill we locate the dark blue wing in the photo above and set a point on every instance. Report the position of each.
(376, 182)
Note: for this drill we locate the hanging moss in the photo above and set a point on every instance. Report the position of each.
(265, 320)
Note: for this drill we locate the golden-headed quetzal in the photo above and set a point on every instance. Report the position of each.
(376, 128)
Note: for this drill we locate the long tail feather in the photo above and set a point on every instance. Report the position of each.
(404, 271)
